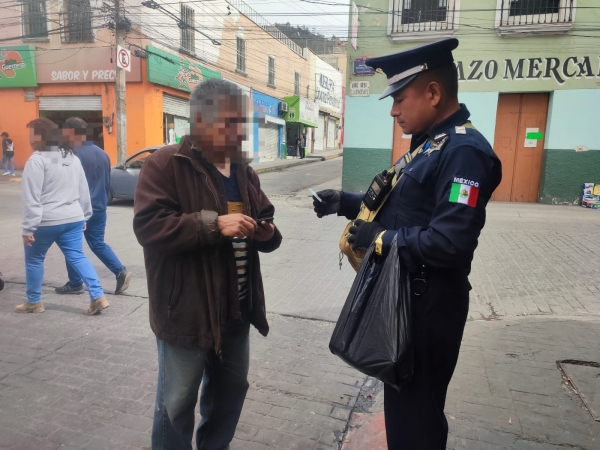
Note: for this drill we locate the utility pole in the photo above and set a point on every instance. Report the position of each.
(120, 88)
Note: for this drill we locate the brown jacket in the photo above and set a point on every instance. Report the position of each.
(190, 266)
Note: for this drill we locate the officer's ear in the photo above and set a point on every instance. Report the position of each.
(434, 93)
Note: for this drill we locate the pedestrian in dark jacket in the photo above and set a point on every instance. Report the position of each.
(8, 153)
(96, 166)
(196, 213)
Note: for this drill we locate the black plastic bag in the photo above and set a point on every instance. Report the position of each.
(373, 333)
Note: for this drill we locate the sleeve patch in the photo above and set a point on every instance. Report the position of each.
(465, 192)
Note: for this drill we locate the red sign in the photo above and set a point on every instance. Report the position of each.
(123, 58)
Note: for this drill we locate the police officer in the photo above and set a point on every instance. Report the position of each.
(436, 210)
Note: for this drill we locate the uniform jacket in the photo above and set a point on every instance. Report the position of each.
(96, 165)
(190, 266)
(433, 230)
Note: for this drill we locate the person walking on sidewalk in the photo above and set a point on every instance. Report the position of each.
(96, 166)
(8, 153)
(56, 204)
(303, 144)
(197, 215)
(435, 211)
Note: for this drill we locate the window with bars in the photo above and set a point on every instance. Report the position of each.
(528, 7)
(271, 78)
(556, 14)
(418, 11)
(241, 54)
(77, 22)
(296, 83)
(35, 19)
(188, 33)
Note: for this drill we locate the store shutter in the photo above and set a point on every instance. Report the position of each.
(176, 106)
(320, 133)
(330, 133)
(75, 103)
(268, 141)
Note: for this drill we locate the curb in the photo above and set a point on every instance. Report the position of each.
(301, 162)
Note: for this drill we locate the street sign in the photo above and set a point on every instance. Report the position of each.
(360, 68)
(359, 88)
(123, 58)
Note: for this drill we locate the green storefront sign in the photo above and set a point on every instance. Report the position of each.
(171, 70)
(17, 66)
(301, 110)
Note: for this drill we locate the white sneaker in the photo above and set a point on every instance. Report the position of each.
(6, 173)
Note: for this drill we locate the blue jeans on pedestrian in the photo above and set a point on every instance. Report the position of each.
(94, 235)
(224, 386)
(69, 238)
(10, 166)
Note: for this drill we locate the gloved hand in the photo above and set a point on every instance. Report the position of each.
(331, 202)
(363, 234)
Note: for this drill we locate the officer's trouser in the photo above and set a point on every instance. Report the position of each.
(414, 417)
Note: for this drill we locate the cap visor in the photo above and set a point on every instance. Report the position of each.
(394, 88)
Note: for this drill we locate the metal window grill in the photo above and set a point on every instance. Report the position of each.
(410, 16)
(35, 19)
(535, 12)
(271, 80)
(76, 22)
(188, 34)
(241, 55)
(296, 83)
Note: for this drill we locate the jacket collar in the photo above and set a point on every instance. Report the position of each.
(456, 119)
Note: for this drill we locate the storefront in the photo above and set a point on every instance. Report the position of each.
(268, 127)
(182, 75)
(302, 117)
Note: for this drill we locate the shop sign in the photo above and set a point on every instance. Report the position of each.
(325, 91)
(265, 104)
(92, 65)
(359, 88)
(530, 69)
(179, 73)
(17, 66)
(302, 110)
(360, 68)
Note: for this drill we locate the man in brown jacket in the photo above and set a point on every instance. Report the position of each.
(198, 207)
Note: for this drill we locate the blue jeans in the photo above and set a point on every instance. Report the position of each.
(94, 235)
(68, 237)
(10, 167)
(224, 385)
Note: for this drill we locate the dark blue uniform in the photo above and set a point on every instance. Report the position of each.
(437, 210)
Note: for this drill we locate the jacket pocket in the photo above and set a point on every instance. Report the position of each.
(176, 287)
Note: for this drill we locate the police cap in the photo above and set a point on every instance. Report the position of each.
(402, 68)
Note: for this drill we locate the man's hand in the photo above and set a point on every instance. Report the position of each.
(363, 234)
(28, 240)
(264, 231)
(329, 205)
(236, 225)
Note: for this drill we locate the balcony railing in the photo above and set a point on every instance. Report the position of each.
(76, 26)
(536, 12)
(423, 16)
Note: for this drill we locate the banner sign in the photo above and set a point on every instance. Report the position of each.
(17, 66)
(360, 68)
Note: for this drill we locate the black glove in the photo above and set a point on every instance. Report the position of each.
(330, 204)
(363, 234)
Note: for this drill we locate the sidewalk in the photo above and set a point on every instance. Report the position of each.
(290, 161)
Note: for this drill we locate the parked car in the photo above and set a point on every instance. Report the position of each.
(124, 176)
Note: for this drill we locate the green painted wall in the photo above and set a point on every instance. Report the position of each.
(364, 164)
(564, 172)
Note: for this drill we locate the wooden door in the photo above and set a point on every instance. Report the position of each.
(400, 144)
(521, 165)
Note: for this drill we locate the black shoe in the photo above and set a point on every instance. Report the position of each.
(123, 280)
(68, 289)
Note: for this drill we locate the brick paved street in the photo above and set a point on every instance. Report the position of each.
(73, 382)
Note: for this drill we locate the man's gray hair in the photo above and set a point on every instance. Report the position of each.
(207, 95)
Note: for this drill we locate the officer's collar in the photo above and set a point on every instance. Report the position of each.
(455, 120)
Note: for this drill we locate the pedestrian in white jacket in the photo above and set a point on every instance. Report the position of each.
(56, 205)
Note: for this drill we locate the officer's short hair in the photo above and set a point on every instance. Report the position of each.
(79, 125)
(446, 76)
(207, 96)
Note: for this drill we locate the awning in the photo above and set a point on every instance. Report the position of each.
(302, 110)
(276, 120)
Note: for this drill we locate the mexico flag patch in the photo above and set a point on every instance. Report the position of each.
(464, 191)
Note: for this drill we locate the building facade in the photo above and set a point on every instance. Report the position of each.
(61, 62)
(528, 73)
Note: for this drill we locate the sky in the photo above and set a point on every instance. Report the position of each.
(326, 16)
